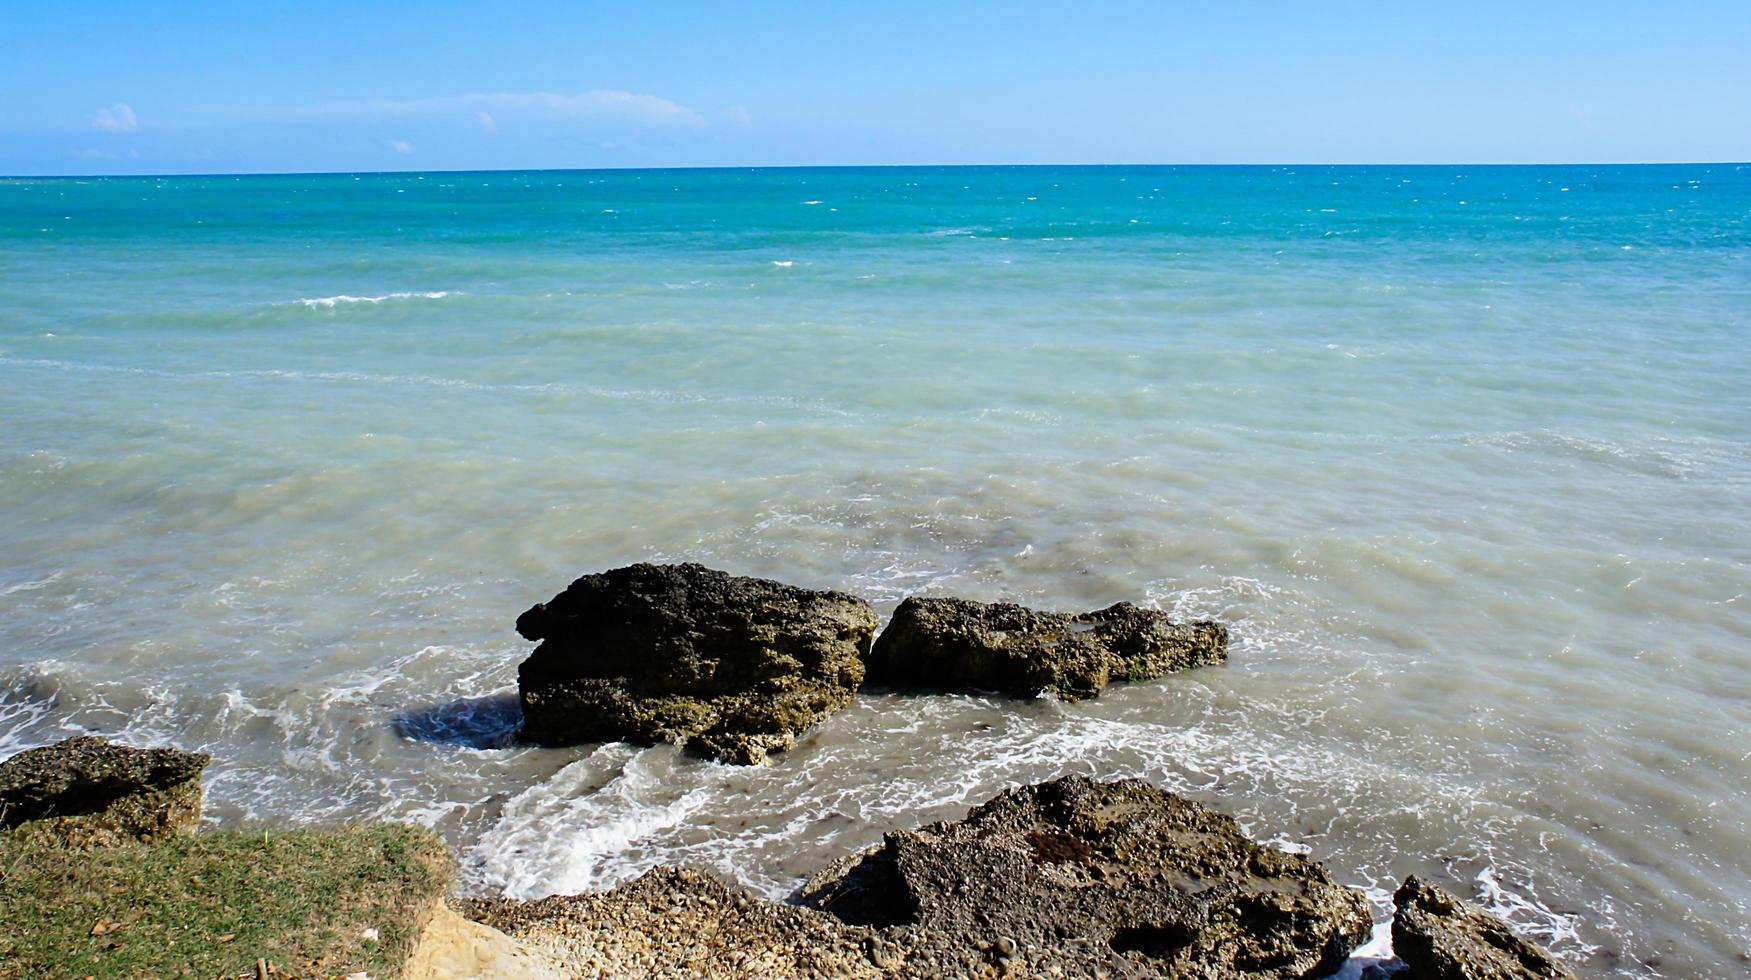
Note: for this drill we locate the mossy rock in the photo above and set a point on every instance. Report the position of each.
(961, 645)
(1440, 937)
(1078, 877)
(732, 667)
(87, 791)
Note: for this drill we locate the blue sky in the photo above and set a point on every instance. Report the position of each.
(150, 87)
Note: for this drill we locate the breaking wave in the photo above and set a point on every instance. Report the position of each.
(330, 302)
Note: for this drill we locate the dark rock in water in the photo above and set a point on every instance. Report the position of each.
(87, 791)
(1083, 878)
(732, 667)
(1440, 937)
(957, 644)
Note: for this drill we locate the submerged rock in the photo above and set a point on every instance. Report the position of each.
(1440, 937)
(88, 791)
(958, 644)
(1087, 878)
(732, 667)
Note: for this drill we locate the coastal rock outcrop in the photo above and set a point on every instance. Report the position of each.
(958, 644)
(732, 667)
(88, 791)
(1081, 878)
(674, 922)
(1440, 937)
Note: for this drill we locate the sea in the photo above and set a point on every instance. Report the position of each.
(1461, 454)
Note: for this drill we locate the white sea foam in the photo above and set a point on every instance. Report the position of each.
(22, 715)
(955, 232)
(1376, 952)
(1520, 906)
(330, 302)
(33, 584)
(574, 831)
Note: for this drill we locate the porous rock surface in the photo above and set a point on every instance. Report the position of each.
(1091, 877)
(671, 922)
(731, 667)
(1440, 937)
(1072, 878)
(959, 644)
(87, 791)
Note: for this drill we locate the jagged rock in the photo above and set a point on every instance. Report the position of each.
(958, 644)
(1091, 878)
(1440, 937)
(86, 791)
(732, 667)
(1073, 878)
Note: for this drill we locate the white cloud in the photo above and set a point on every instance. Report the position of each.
(738, 114)
(400, 146)
(118, 118)
(614, 104)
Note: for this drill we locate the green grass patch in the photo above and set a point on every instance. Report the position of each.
(210, 904)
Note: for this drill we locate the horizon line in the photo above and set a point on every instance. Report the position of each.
(853, 166)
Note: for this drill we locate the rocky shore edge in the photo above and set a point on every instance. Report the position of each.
(1073, 877)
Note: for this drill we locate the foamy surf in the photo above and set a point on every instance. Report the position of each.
(575, 832)
(33, 584)
(330, 302)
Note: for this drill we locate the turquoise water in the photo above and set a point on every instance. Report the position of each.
(1462, 454)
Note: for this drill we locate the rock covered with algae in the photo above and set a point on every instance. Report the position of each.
(959, 644)
(88, 791)
(1077, 877)
(1440, 937)
(732, 667)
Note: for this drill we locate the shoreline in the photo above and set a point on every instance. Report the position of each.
(670, 921)
(1070, 877)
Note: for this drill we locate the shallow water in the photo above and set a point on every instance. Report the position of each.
(1463, 456)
